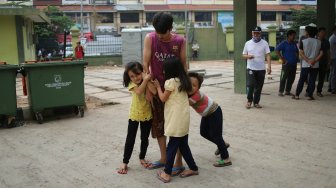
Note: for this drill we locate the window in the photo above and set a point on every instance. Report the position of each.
(268, 16)
(286, 16)
(149, 16)
(105, 17)
(178, 16)
(203, 17)
(129, 17)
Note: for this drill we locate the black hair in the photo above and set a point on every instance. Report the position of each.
(162, 22)
(133, 66)
(312, 31)
(334, 28)
(199, 78)
(322, 29)
(173, 68)
(290, 32)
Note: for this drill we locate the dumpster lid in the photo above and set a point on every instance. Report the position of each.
(9, 67)
(51, 64)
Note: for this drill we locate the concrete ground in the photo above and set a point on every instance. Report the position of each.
(287, 143)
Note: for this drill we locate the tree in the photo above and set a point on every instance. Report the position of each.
(303, 17)
(59, 23)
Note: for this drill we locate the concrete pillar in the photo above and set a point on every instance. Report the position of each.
(75, 32)
(326, 14)
(245, 19)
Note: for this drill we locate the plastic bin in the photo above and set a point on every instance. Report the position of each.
(8, 103)
(54, 85)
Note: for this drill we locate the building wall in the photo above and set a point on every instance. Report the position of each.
(212, 43)
(9, 48)
(28, 41)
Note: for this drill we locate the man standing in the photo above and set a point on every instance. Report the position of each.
(311, 53)
(332, 77)
(288, 52)
(255, 51)
(79, 51)
(323, 63)
(158, 46)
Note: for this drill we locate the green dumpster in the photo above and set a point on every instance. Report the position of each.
(55, 84)
(8, 93)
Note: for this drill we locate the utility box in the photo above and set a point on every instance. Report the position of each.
(144, 32)
(131, 45)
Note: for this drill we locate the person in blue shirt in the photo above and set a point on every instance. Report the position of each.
(288, 53)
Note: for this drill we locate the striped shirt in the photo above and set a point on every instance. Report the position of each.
(203, 104)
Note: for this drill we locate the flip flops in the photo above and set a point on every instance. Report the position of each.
(193, 173)
(158, 175)
(123, 170)
(177, 170)
(222, 163)
(155, 165)
(144, 163)
(248, 105)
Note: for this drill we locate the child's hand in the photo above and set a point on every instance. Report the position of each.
(146, 76)
(156, 83)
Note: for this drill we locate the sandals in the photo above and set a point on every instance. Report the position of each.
(123, 169)
(177, 170)
(248, 105)
(144, 163)
(155, 165)
(295, 97)
(222, 163)
(192, 173)
(257, 106)
(158, 175)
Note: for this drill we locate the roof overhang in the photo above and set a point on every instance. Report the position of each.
(28, 12)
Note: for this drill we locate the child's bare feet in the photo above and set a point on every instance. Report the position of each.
(144, 163)
(123, 169)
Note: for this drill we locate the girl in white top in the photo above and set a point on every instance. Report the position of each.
(177, 117)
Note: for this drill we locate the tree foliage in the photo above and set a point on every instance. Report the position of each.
(59, 22)
(303, 17)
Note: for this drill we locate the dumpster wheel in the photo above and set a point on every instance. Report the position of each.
(4, 122)
(76, 110)
(39, 117)
(81, 111)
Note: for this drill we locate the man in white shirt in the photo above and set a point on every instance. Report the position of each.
(255, 51)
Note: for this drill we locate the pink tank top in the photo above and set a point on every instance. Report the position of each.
(161, 51)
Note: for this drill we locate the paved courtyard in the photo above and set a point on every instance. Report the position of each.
(287, 143)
